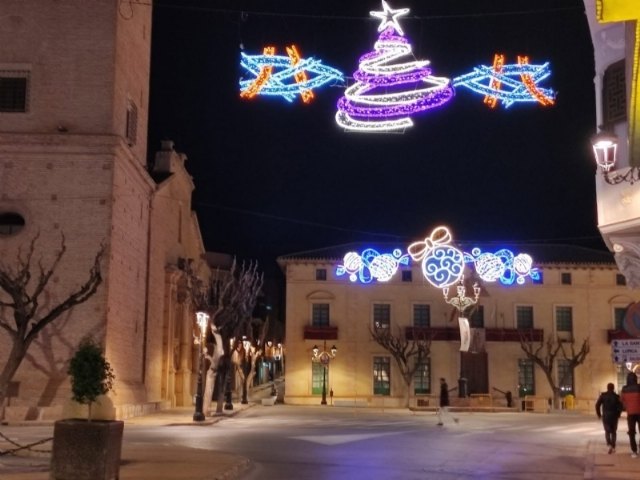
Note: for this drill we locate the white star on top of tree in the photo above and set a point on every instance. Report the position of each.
(389, 17)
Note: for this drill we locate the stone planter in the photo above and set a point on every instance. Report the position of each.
(269, 401)
(84, 450)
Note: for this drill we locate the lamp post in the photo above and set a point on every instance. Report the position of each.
(461, 302)
(324, 358)
(202, 318)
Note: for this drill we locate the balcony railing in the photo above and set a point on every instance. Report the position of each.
(320, 333)
(617, 335)
(491, 334)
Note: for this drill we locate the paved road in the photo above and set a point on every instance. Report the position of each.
(317, 443)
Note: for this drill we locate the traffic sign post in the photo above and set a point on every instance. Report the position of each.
(624, 351)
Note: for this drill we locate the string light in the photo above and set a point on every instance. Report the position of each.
(442, 263)
(502, 265)
(513, 83)
(388, 91)
(285, 76)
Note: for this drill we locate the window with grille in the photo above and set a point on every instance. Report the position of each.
(614, 95)
(524, 317)
(476, 320)
(565, 377)
(618, 317)
(320, 315)
(422, 378)
(565, 278)
(381, 315)
(381, 376)
(621, 280)
(421, 315)
(564, 319)
(321, 273)
(14, 91)
(526, 379)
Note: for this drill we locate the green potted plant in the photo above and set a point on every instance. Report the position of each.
(87, 449)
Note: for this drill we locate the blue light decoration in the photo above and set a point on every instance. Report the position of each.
(502, 265)
(388, 90)
(285, 76)
(371, 265)
(442, 263)
(513, 83)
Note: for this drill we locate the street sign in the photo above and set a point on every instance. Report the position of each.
(624, 351)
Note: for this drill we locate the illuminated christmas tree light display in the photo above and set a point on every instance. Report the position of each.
(387, 90)
(513, 83)
(287, 76)
(371, 265)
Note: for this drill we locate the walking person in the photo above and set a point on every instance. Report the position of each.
(609, 408)
(631, 402)
(444, 402)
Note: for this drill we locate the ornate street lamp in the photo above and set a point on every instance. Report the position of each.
(461, 302)
(605, 148)
(324, 358)
(202, 318)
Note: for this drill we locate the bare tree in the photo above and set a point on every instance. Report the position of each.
(408, 354)
(22, 289)
(545, 354)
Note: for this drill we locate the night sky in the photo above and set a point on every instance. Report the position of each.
(276, 178)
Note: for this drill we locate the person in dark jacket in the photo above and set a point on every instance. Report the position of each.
(609, 408)
(444, 402)
(631, 401)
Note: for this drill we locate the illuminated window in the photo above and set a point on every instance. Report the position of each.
(564, 319)
(381, 315)
(618, 317)
(319, 376)
(565, 377)
(526, 379)
(321, 274)
(621, 280)
(320, 315)
(14, 91)
(422, 378)
(565, 278)
(524, 317)
(421, 315)
(476, 319)
(381, 376)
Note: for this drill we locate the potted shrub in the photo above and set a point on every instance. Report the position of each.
(87, 449)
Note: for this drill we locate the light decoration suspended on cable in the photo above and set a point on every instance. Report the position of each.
(387, 90)
(502, 265)
(371, 265)
(442, 263)
(513, 83)
(285, 76)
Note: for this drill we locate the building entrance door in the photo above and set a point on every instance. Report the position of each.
(473, 367)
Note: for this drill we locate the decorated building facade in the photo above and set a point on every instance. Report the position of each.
(73, 163)
(578, 294)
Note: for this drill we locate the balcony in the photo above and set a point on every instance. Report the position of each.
(617, 335)
(491, 334)
(320, 333)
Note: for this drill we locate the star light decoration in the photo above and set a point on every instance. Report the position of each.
(287, 76)
(388, 90)
(513, 83)
(442, 263)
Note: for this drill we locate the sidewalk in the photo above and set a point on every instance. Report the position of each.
(139, 462)
(600, 465)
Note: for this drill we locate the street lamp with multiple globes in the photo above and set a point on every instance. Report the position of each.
(202, 318)
(461, 302)
(324, 358)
